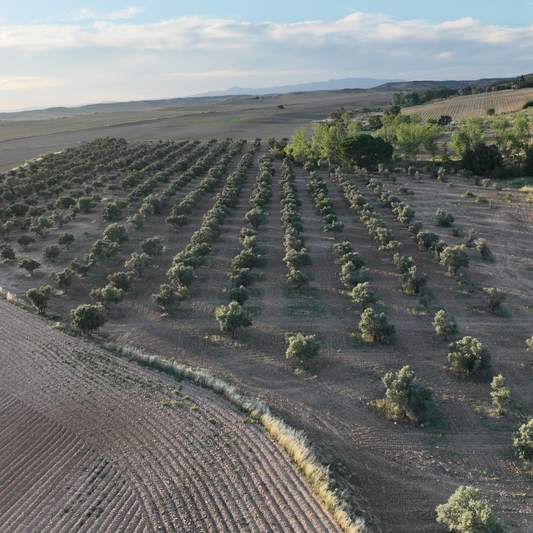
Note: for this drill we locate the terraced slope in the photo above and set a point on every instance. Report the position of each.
(93, 443)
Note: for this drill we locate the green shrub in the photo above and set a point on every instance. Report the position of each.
(406, 397)
(523, 441)
(375, 326)
(412, 281)
(445, 324)
(468, 356)
(443, 219)
(170, 297)
(40, 297)
(466, 512)
(500, 393)
(364, 294)
(493, 298)
(302, 347)
(232, 316)
(88, 318)
(455, 257)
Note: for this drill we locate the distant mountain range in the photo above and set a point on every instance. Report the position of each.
(331, 85)
(243, 93)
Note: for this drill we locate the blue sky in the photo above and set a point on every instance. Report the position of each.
(65, 53)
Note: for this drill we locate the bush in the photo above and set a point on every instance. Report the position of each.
(500, 393)
(107, 295)
(468, 356)
(232, 316)
(529, 344)
(445, 324)
(247, 259)
(121, 280)
(51, 253)
(153, 247)
(88, 318)
(115, 233)
(25, 240)
(493, 298)
(169, 297)
(443, 219)
(455, 257)
(40, 297)
(406, 397)
(523, 441)
(375, 326)
(412, 281)
(466, 512)
(364, 294)
(302, 347)
(66, 239)
(236, 294)
(241, 277)
(352, 276)
(29, 265)
(7, 253)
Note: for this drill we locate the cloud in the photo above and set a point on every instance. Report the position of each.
(86, 13)
(14, 83)
(104, 57)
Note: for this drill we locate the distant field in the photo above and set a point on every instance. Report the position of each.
(464, 107)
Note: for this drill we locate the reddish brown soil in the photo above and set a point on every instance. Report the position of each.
(397, 472)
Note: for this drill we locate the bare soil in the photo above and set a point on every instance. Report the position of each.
(397, 472)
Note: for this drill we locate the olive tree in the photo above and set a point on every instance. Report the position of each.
(468, 356)
(466, 512)
(88, 318)
(232, 316)
(500, 393)
(302, 347)
(493, 298)
(375, 326)
(169, 297)
(444, 324)
(406, 397)
(523, 441)
(40, 297)
(29, 265)
(455, 257)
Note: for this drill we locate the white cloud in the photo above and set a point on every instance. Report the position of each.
(86, 13)
(14, 83)
(103, 58)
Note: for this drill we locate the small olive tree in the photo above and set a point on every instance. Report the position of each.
(523, 441)
(455, 257)
(406, 397)
(169, 297)
(500, 393)
(232, 316)
(302, 347)
(88, 318)
(40, 297)
(466, 512)
(375, 325)
(493, 298)
(468, 356)
(444, 324)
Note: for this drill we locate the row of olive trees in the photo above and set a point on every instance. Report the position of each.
(234, 315)
(296, 255)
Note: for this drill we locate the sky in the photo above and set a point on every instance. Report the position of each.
(60, 53)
